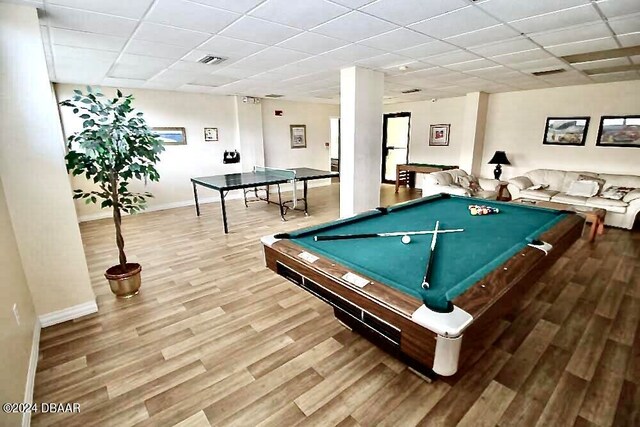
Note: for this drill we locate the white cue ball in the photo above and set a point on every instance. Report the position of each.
(406, 239)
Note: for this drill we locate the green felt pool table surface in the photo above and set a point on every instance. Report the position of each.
(461, 259)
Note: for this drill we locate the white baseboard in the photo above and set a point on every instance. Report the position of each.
(70, 313)
(31, 373)
(235, 194)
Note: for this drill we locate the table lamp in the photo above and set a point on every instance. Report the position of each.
(499, 159)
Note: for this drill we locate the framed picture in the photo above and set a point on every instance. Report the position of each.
(210, 134)
(171, 136)
(298, 136)
(619, 131)
(566, 130)
(439, 135)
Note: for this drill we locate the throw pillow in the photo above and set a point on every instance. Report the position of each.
(538, 187)
(599, 181)
(583, 188)
(469, 183)
(616, 193)
(631, 196)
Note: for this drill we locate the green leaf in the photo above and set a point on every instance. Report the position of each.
(77, 92)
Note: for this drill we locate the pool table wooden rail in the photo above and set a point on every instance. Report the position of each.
(486, 301)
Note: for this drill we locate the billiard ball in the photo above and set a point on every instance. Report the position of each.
(406, 239)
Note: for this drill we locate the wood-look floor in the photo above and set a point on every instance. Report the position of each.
(214, 338)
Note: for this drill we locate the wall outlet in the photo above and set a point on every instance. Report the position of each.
(16, 314)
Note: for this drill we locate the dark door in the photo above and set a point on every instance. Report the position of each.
(395, 144)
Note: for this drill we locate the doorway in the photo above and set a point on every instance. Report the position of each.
(334, 146)
(396, 128)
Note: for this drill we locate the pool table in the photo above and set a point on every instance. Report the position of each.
(477, 275)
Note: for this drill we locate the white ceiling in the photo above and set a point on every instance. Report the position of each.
(297, 47)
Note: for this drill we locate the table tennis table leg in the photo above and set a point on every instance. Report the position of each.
(304, 197)
(224, 212)
(280, 203)
(195, 196)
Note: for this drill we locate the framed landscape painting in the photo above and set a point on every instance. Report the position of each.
(619, 131)
(171, 136)
(566, 130)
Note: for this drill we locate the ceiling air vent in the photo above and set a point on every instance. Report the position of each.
(412, 90)
(211, 60)
(273, 95)
(549, 72)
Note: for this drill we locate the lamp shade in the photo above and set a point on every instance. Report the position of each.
(499, 158)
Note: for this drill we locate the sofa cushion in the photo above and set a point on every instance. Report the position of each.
(615, 192)
(570, 177)
(521, 182)
(633, 195)
(610, 205)
(570, 200)
(621, 180)
(599, 181)
(554, 178)
(538, 194)
(583, 188)
(438, 178)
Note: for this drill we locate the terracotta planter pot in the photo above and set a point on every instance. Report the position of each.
(124, 284)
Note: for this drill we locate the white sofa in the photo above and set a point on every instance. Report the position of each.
(447, 182)
(620, 213)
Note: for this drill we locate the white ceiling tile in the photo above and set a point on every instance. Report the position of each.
(127, 8)
(388, 60)
(238, 73)
(572, 34)
(161, 50)
(91, 22)
(612, 8)
(615, 77)
(540, 65)
(472, 65)
(300, 14)
(512, 45)
(190, 16)
(559, 19)
(612, 62)
(453, 23)
(164, 34)
(400, 37)
(425, 50)
(583, 46)
(213, 80)
(240, 6)
(508, 10)
(270, 58)
(354, 26)
(628, 40)
(178, 77)
(519, 57)
(486, 35)
(626, 24)
(259, 31)
(354, 4)
(138, 66)
(231, 48)
(496, 72)
(405, 12)
(451, 57)
(73, 38)
(312, 43)
(568, 78)
(78, 71)
(64, 52)
(161, 85)
(353, 52)
(196, 67)
(320, 63)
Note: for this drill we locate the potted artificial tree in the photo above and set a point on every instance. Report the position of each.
(114, 147)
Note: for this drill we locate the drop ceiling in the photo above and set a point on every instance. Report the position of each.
(296, 48)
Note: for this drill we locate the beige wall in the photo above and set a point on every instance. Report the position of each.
(15, 340)
(516, 122)
(277, 140)
(426, 113)
(36, 184)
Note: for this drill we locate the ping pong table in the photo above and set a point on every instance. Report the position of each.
(261, 178)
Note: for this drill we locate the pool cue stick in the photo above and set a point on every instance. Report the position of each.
(390, 234)
(427, 273)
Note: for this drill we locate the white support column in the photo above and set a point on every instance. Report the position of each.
(249, 133)
(475, 119)
(361, 92)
